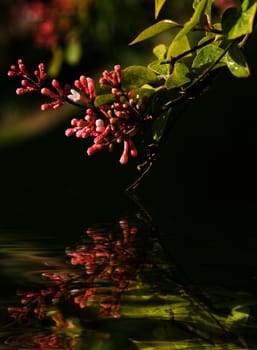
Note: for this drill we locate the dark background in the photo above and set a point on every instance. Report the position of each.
(202, 186)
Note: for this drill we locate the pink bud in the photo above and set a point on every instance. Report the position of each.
(91, 88)
(48, 92)
(45, 106)
(96, 147)
(57, 86)
(20, 91)
(99, 123)
(11, 73)
(117, 69)
(69, 132)
(124, 156)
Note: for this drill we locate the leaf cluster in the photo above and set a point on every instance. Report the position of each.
(197, 51)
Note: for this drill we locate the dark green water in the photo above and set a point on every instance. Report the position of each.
(128, 284)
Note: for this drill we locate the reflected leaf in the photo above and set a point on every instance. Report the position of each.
(182, 345)
(239, 313)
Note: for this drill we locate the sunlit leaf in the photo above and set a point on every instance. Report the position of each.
(156, 345)
(155, 29)
(195, 19)
(236, 24)
(152, 308)
(160, 51)
(195, 3)
(208, 6)
(237, 63)
(239, 314)
(158, 6)
(177, 47)
(136, 76)
(103, 99)
(179, 76)
(206, 56)
(160, 68)
(184, 344)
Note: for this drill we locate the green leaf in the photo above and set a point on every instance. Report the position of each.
(159, 67)
(160, 51)
(195, 19)
(237, 63)
(155, 29)
(104, 99)
(158, 6)
(207, 56)
(178, 77)
(195, 4)
(136, 76)
(239, 315)
(184, 344)
(208, 6)
(177, 47)
(236, 24)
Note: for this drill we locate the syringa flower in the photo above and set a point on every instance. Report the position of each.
(106, 124)
(59, 96)
(30, 82)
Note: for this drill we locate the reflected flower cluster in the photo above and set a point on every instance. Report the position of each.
(103, 266)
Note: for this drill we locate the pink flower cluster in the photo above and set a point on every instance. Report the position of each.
(117, 121)
(29, 82)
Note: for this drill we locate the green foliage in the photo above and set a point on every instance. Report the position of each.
(197, 51)
(136, 76)
(158, 6)
(155, 29)
(185, 65)
(235, 25)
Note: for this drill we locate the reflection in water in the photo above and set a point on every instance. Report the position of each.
(118, 290)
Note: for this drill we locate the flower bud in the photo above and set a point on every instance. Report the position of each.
(124, 156)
